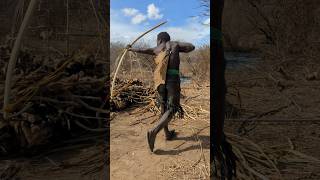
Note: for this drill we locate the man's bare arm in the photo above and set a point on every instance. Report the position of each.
(149, 51)
(185, 47)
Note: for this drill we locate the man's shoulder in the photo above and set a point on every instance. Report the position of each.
(174, 43)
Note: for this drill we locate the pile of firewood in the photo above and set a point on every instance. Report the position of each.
(51, 98)
(130, 92)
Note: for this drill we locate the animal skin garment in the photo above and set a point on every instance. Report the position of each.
(160, 72)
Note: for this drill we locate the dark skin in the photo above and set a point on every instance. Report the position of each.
(174, 46)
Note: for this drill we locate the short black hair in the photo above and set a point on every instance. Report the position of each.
(164, 36)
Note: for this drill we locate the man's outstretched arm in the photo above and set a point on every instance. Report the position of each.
(142, 50)
(185, 47)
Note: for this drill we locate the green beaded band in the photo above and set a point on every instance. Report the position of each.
(173, 72)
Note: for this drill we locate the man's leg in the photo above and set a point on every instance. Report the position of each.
(163, 107)
(162, 98)
(162, 92)
(169, 134)
(173, 102)
(173, 99)
(151, 135)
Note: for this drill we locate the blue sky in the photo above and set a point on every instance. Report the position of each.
(130, 18)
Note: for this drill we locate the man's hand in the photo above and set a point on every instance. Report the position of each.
(168, 48)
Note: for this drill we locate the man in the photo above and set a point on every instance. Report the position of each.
(167, 81)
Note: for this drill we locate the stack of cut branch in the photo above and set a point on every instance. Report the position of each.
(130, 92)
(52, 98)
(255, 162)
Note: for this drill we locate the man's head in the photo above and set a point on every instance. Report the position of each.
(163, 37)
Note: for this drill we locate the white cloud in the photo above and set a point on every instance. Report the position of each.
(119, 31)
(139, 18)
(130, 11)
(154, 12)
(207, 21)
(192, 31)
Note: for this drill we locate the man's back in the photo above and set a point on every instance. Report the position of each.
(175, 47)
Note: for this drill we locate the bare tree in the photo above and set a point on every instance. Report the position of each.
(205, 4)
(288, 26)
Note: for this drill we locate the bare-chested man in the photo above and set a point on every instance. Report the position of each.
(169, 92)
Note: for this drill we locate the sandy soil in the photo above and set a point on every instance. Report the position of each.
(289, 116)
(81, 160)
(185, 157)
(282, 116)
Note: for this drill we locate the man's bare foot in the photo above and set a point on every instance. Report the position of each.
(150, 138)
(171, 134)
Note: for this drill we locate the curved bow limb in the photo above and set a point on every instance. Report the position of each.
(125, 52)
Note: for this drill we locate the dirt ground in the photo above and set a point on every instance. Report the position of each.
(185, 157)
(285, 117)
(79, 158)
(280, 118)
(276, 115)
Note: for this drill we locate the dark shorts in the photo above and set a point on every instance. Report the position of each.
(169, 94)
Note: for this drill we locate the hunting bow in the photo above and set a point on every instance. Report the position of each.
(14, 56)
(125, 52)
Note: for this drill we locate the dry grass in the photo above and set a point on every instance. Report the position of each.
(139, 66)
(197, 63)
(182, 168)
(254, 161)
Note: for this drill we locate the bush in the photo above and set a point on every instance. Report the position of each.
(195, 64)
